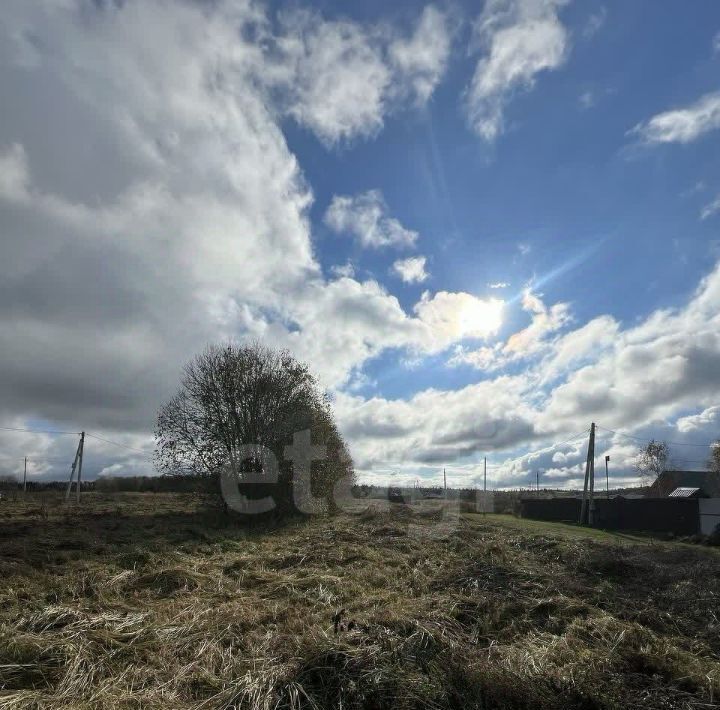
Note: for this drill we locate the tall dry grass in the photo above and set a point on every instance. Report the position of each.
(142, 601)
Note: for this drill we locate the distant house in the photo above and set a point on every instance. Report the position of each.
(706, 483)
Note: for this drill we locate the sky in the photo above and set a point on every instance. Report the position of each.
(483, 225)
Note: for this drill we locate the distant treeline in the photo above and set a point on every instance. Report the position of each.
(209, 484)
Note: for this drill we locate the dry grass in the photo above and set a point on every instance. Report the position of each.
(141, 601)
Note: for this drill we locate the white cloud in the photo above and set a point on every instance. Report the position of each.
(341, 78)
(528, 342)
(711, 208)
(544, 321)
(639, 380)
(346, 270)
(186, 223)
(411, 270)
(499, 284)
(518, 39)
(365, 216)
(455, 316)
(650, 371)
(595, 23)
(435, 426)
(706, 421)
(421, 59)
(524, 248)
(716, 43)
(682, 125)
(14, 174)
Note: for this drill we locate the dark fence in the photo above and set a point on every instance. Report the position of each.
(680, 516)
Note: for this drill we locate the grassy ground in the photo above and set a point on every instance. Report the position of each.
(142, 601)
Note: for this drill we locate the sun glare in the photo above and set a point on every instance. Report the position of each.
(480, 318)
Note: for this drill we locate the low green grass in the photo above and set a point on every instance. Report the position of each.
(152, 601)
(577, 532)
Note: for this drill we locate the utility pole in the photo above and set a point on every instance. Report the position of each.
(537, 481)
(445, 483)
(82, 451)
(607, 477)
(25, 477)
(589, 479)
(485, 485)
(77, 464)
(591, 512)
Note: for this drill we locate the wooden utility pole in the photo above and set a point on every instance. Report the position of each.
(25, 477)
(591, 511)
(607, 477)
(80, 462)
(445, 482)
(485, 485)
(537, 481)
(77, 464)
(589, 481)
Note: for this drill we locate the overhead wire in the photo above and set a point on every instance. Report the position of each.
(115, 443)
(647, 441)
(38, 431)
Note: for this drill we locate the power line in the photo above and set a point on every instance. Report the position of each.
(543, 449)
(647, 441)
(115, 443)
(38, 431)
(73, 433)
(34, 458)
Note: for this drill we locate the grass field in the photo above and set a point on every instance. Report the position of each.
(145, 601)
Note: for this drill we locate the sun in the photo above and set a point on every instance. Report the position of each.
(480, 318)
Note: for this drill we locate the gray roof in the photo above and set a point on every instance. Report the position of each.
(684, 492)
(668, 481)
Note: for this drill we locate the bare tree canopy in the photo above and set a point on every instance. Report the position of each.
(652, 459)
(233, 398)
(714, 462)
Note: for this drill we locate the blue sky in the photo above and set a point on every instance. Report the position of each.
(468, 218)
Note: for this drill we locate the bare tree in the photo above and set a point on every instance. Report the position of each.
(651, 460)
(714, 462)
(238, 398)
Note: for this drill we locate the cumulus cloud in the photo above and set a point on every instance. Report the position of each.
(341, 78)
(435, 426)
(638, 380)
(365, 216)
(682, 125)
(518, 40)
(165, 210)
(711, 208)
(346, 270)
(456, 316)
(421, 59)
(528, 342)
(499, 284)
(707, 421)
(544, 321)
(411, 270)
(650, 371)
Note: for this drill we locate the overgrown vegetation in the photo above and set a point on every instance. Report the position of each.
(651, 460)
(143, 601)
(239, 409)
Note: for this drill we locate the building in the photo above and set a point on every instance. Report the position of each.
(708, 483)
(688, 493)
